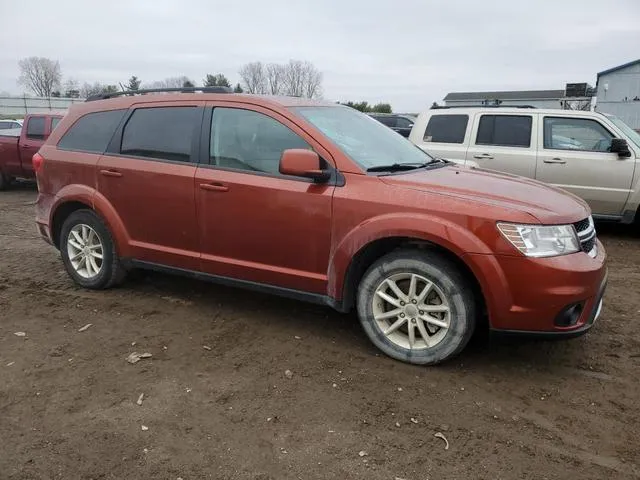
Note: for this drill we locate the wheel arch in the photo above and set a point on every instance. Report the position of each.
(370, 241)
(77, 197)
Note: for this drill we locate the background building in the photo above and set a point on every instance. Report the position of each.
(619, 92)
(535, 98)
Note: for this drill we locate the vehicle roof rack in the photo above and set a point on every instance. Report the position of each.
(439, 107)
(104, 96)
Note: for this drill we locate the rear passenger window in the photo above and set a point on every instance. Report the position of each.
(35, 128)
(164, 133)
(446, 128)
(504, 130)
(92, 132)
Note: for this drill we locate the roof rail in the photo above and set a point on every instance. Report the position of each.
(104, 96)
(438, 107)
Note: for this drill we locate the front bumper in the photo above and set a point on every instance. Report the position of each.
(528, 295)
(566, 333)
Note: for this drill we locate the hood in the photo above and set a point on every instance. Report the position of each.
(545, 203)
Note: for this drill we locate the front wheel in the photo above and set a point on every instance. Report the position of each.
(416, 306)
(88, 251)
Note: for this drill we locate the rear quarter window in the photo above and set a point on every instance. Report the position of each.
(446, 129)
(92, 132)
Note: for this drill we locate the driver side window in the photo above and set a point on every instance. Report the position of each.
(580, 134)
(248, 140)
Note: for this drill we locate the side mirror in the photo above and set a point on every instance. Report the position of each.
(621, 147)
(303, 163)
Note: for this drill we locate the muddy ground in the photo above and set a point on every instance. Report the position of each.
(559, 410)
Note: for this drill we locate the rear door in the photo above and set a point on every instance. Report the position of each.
(504, 142)
(444, 136)
(147, 174)
(573, 154)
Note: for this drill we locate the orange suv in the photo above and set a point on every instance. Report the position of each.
(318, 202)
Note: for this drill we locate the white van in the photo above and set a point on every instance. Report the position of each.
(590, 154)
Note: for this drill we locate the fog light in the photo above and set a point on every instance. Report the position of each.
(570, 315)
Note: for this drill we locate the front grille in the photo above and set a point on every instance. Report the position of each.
(582, 225)
(588, 245)
(587, 234)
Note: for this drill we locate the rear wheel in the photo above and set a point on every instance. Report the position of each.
(4, 181)
(416, 306)
(88, 251)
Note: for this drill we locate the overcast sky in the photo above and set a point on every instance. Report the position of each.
(407, 52)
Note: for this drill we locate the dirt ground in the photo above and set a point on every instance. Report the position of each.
(525, 410)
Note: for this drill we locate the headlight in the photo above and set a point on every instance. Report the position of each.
(541, 241)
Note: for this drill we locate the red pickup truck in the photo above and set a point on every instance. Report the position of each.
(18, 146)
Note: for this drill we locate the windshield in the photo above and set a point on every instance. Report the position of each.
(366, 141)
(626, 129)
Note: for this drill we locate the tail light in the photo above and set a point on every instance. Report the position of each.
(38, 162)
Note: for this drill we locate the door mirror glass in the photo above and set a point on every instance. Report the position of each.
(620, 146)
(303, 163)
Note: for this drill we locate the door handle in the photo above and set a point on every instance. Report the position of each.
(214, 187)
(110, 173)
(555, 160)
(485, 156)
(25, 145)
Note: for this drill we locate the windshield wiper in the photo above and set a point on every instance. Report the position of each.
(396, 167)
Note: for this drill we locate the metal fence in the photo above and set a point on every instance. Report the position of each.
(16, 107)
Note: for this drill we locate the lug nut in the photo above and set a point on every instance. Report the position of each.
(402, 304)
(402, 315)
(413, 320)
(414, 301)
(421, 312)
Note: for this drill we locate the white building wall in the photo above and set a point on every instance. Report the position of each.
(616, 93)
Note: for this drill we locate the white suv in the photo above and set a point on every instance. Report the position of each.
(592, 155)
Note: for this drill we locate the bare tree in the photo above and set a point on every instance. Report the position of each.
(97, 88)
(294, 78)
(253, 77)
(302, 79)
(40, 75)
(171, 82)
(313, 81)
(275, 78)
(71, 88)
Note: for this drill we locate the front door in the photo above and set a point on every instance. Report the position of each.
(573, 155)
(504, 142)
(256, 224)
(147, 175)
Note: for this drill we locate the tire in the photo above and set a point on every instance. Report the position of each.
(456, 308)
(110, 271)
(4, 181)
